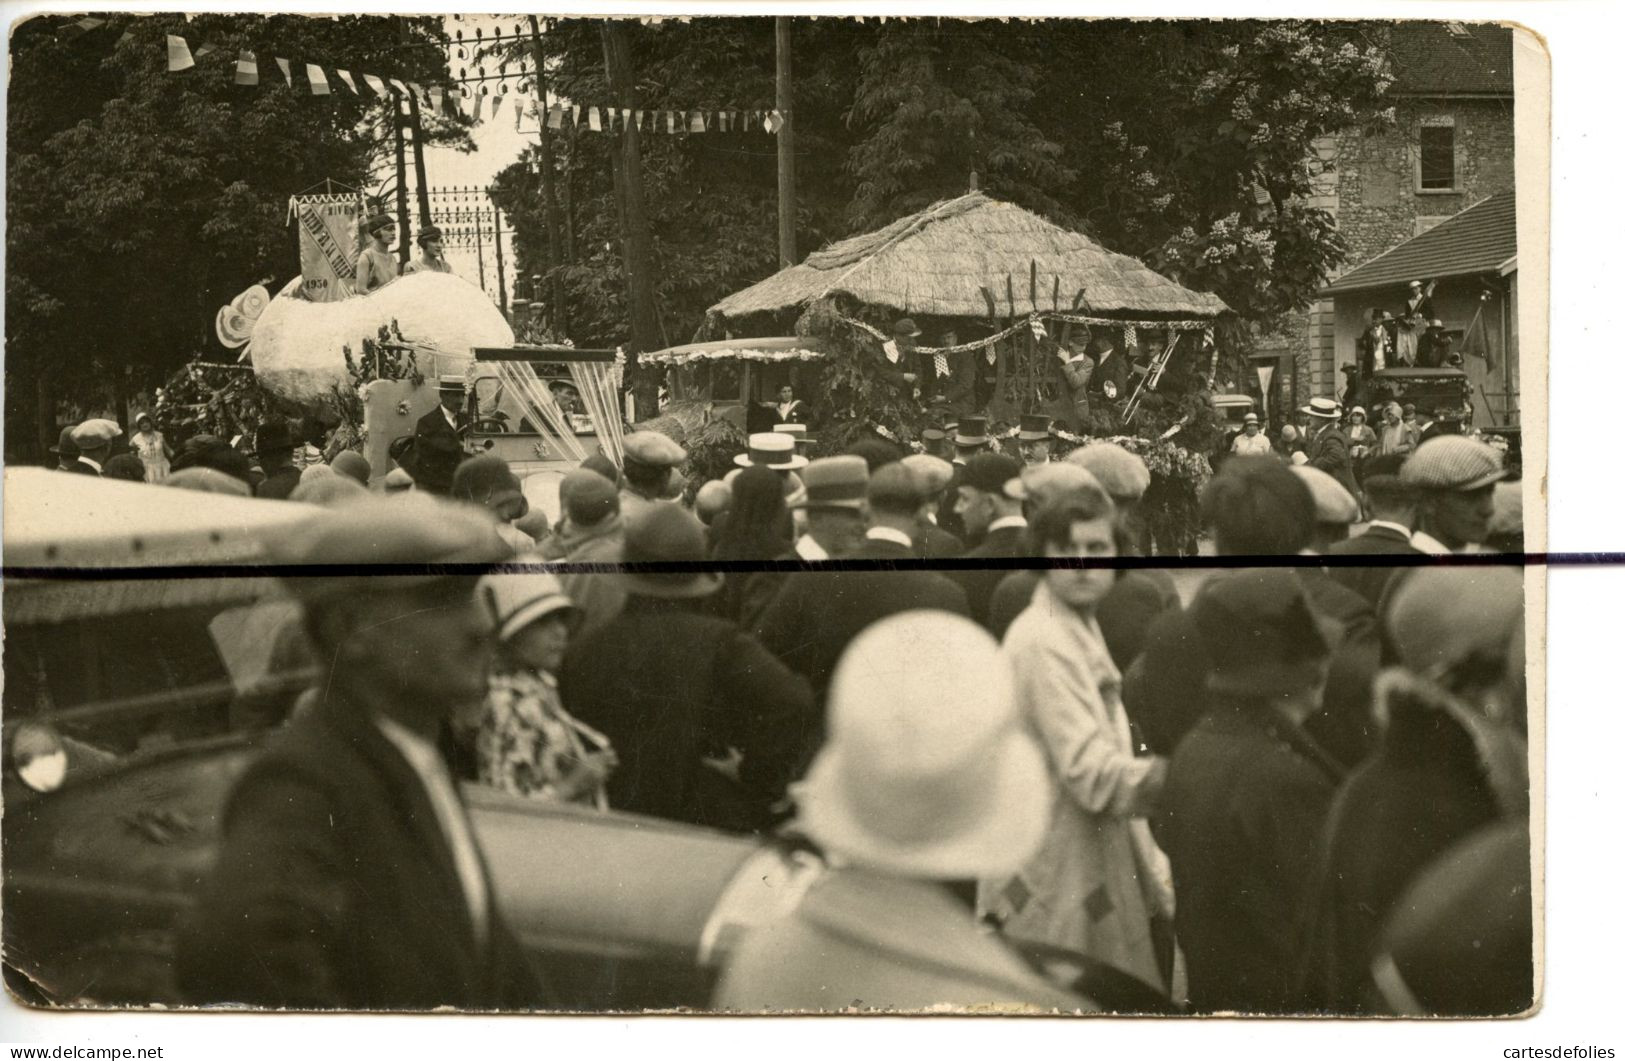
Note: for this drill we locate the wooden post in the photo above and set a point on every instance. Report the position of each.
(787, 144)
(403, 218)
(637, 242)
(502, 279)
(479, 248)
(558, 312)
(416, 117)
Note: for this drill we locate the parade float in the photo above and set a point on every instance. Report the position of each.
(997, 293)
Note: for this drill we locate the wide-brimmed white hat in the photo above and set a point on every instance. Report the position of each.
(928, 771)
(771, 450)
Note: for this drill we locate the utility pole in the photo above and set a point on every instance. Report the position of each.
(550, 205)
(479, 245)
(403, 218)
(416, 116)
(787, 144)
(637, 243)
(502, 279)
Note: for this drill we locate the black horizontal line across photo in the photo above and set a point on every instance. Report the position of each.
(1026, 563)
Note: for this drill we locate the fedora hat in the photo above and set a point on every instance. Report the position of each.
(1324, 409)
(906, 326)
(771, 449)
(665, 533)
(273, 435)
(65, 445)
(1035, 427)
(971, 431)
(834, 482)
(1262, 634)
(928, 771)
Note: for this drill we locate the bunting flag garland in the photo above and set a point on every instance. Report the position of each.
(180, 56)
(1131, 338)
(455, 98)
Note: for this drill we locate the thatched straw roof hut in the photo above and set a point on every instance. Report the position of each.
(938, 261)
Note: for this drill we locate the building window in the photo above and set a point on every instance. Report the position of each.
(1436, 158)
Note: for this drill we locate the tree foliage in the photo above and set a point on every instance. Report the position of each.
(1186, 144)
(140, 201)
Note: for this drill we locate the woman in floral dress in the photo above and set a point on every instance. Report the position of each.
(527, 743)
(148, 443)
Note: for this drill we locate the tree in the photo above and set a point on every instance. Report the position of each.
(1186, 144)
(140, 201)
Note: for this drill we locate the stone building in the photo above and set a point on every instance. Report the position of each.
(1449, 147)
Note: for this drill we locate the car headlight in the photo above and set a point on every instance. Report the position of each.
(38, 757)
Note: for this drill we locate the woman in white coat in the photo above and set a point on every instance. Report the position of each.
(1099, 878)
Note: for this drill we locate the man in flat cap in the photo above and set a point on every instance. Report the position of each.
(375, 266)
(433, 256)
(649, 461)
(349, 873)
(1453, 478)
(94, 439)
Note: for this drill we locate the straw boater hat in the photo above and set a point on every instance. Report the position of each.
(772, 450)
(1323, 409)
(928, 771)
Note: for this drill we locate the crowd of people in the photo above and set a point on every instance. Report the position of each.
(1280, 790)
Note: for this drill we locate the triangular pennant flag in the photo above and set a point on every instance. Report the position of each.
(437, 99)
(518, 113)
(626, 117)
(248, 70)
(594, 122)
(180, 56)
(555, 117)
(696, 122)
(349, 82)
(671, 121)
(88, 24)
(318, 80)
(127, 35)
(376, 84)
(775, 122)
(496, 106)
(575, 115)
(202, 51)
(767, 122)
(287, 71)
(637, 120)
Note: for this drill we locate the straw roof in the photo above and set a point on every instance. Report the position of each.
(936, 262)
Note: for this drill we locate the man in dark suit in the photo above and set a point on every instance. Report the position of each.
(992, 517)
(1110, 378)
(672, 686)
(932, 474)
(817, 613)
(1328, 446)
(65, 451)
(969, 438)
(1393, 518)
(273, 446)
(349, 876)
(438, 440)
(94, 440)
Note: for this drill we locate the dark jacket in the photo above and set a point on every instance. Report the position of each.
(947, 518)
(1244, 805)
(879, 549)
(1113, 370)
(1428, 785)
(81, 467)
(278, 483)
(1165, 690)
(1369, 582)
(671, 686)
(437, 449)
(336, 889)
(817, 613)
(979, 584)
(1328, 450)
(935, 543)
